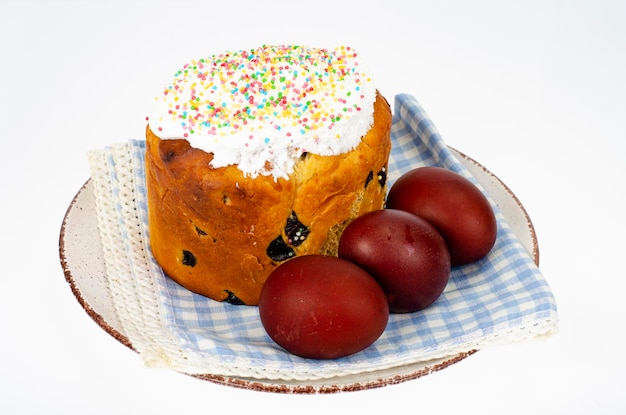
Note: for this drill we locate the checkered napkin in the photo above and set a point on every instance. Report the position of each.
(501, 298)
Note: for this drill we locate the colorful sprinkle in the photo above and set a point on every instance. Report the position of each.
(269, 96)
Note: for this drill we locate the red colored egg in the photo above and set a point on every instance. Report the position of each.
(322, 307)
(453, 205)
(403, 252)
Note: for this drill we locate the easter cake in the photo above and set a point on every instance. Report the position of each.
(257, 156)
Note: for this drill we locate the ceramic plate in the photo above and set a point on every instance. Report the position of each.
(82, 258)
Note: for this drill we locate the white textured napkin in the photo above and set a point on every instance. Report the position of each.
(501, 298)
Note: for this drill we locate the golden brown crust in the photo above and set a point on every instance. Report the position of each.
(220, 234)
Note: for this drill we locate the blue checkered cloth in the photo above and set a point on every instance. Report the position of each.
(500, 298)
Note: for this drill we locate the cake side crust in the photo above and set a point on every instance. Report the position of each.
(220, 233)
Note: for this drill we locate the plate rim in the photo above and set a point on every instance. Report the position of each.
(69, 277)
(269, 385)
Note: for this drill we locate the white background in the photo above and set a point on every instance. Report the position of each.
(533, 90)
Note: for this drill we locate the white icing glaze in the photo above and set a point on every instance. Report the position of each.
(261, 109)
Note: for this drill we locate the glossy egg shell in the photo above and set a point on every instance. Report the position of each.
(453, 205)
(403, 252)
(322, 307)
